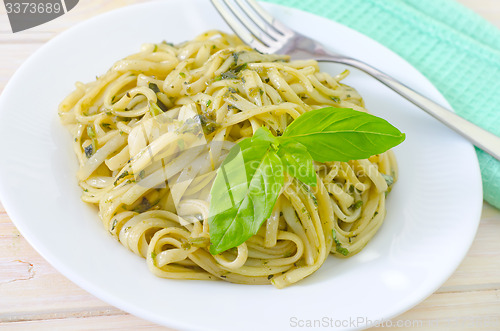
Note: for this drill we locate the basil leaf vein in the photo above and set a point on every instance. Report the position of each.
(342, 134)
(250, 179)
(298, 162)
(244, 192)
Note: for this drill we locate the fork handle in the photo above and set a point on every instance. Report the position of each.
(483, 139)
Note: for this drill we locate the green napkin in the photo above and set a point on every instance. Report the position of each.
(456, 49)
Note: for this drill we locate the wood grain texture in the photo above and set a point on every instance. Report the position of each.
(34, 296)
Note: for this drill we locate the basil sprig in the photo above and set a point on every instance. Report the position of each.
(343, 134)
(250, 179)
(244, 191)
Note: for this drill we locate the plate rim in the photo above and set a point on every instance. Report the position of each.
(87, 285)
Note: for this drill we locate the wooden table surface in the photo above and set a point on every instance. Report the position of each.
(34, 296)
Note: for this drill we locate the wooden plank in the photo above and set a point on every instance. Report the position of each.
(115, 322)
(443, 311)
(24, 272)
(488, 9)
(475, 310)
(480, 270)
(29, 286)
(34, 296)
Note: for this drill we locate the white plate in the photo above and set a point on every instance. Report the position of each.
(433, 211)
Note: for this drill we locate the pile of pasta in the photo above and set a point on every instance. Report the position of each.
(151, 132)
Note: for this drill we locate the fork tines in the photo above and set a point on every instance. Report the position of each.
(253, 25)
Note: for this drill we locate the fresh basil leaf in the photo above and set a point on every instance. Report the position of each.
(298, 162)
(244, 192)
(264, 134)
(342, 134)
(250, 179)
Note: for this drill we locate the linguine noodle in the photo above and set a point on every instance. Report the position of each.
(150, 133)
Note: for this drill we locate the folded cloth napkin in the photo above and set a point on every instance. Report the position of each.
(456, 49)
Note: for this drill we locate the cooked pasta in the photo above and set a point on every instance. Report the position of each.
(151, 132)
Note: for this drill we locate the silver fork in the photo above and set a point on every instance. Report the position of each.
(264, 33)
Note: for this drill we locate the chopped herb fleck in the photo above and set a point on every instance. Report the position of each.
(229, 75)
(240, 67)
(339, 247)
(183, 75)
(388, 179)
(89, 150)
(154, 109)
(122, 175)
(351, 189)
(90, 132)
(235, 57)
(154, 87)
(199, 242)
(233, 73)
(208, 125)
(161, 105)
(209, 102)
(142, 174)
(357, 205)
(143, 206)
(269, 277)
(114, 225)
(229, 107)
(335, 99)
